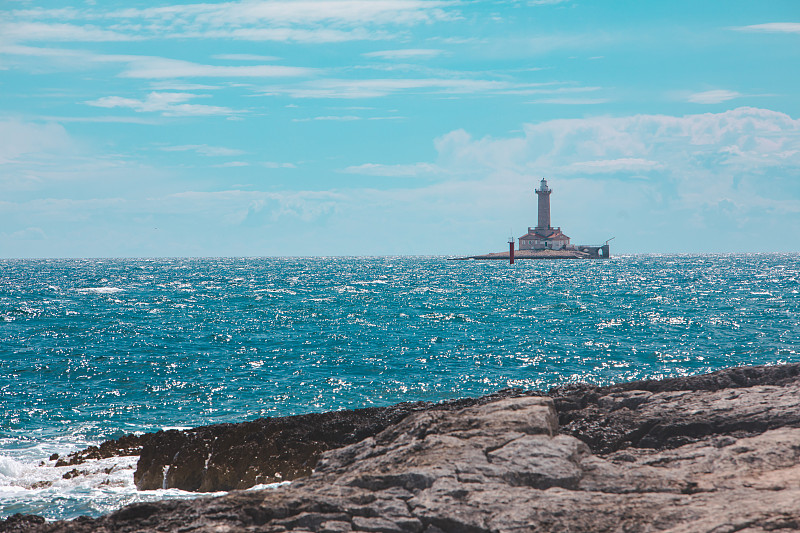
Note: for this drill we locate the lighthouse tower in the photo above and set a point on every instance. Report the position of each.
(544, 236)
(543, 192)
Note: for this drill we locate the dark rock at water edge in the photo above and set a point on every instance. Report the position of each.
(126, 445)
(20, 522)
(238, 456)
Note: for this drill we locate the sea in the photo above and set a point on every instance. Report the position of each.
(93, 349)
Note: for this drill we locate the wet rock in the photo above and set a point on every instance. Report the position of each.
(238, 456)
(20, 522)
(127, 445)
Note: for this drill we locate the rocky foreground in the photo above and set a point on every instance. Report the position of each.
(712, 453)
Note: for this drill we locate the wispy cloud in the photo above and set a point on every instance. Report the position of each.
(244, 57)
(349, 12)
(624, 164)
(159, 67)
(395, 171)
(570, 101)
(378, 87)
(204, 149)
(407, 53)
(339, 118)
(30, 233)
(168, 104)
(154, 67)
(716, 96)
(313, 21)
(40, 31)
(101, 120)
(234, 206)
(176, 85)
(772, 27)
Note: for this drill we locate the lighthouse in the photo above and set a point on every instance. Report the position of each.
(544, 236)
(543, 192)
(546, 242)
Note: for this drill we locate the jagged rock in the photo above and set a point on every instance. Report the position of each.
(238, 456)
(717, 459)
(677, 411)
(20, 522)
(126, 445)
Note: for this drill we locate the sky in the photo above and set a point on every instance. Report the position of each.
(396, 127)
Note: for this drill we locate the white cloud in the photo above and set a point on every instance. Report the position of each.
(339, 118)
(234, 206)
(30, 233)
(757, 134)
(379, 87)
(244, 57)
(20, 140)
(772, 27)
(713, 97)
(273, 164)
(347, 12)
(623, 164)
(100, 120)
(570, 101)
(233, 164)
(204, 149)
(39, 31)
(406, 53)
(410, 170)
(692, 162)
(181, 86)
(314, 21)
(168, 104)
(158, 67)
(297, 35)
(152, 67)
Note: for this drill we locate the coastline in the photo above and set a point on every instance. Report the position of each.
(689, 453)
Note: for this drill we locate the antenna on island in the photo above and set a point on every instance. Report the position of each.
(609, 240)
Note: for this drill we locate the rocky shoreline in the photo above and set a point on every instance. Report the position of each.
(715, 452)
(530, 254)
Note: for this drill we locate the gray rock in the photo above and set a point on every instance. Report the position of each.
(714, 459)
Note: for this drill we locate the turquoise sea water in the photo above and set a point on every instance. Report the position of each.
(93, 349)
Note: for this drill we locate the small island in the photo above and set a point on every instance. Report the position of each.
(544, 241)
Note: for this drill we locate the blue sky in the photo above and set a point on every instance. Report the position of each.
(381, 127)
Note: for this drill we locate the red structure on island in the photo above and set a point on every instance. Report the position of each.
(545, 241)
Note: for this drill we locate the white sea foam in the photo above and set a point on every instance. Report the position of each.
(92, 488)
(100, 290)
(263, 486)
(9, 468)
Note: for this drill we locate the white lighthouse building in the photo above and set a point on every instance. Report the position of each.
(544, 236)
